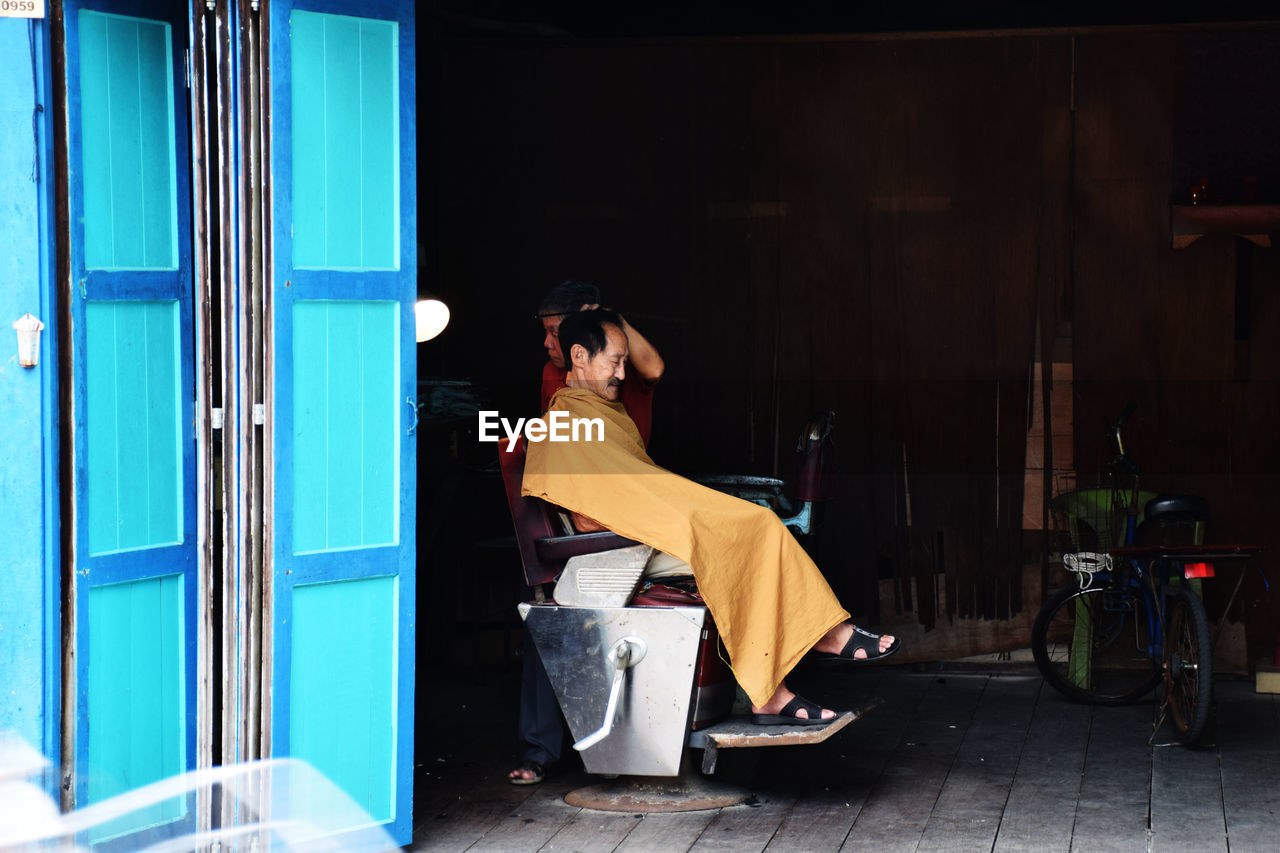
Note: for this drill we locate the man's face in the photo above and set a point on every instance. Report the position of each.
(604, 372)
(551, 340)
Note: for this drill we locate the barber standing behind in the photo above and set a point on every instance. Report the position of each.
(541, 728)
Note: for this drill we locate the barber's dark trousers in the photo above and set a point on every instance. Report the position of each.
(541, 724)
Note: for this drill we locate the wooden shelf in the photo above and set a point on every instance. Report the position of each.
(1253, 222)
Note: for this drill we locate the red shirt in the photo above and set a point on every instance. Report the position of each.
(635, 395)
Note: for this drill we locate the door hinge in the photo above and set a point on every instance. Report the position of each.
(215, 418)
(187, 66)
(259, 414)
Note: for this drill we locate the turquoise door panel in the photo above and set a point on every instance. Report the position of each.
(346, 424)
(342, 578)
(345, 141)
(133, 426)
(135, 582)
(137, 697)
(343, 668)
(127, 130)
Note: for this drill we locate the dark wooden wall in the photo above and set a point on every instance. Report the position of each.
(878, 226)
(1158, 325)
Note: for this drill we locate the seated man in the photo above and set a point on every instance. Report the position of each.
(770, 603)
(540, 722)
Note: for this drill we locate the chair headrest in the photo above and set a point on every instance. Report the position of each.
(815, 459)
(818, 429)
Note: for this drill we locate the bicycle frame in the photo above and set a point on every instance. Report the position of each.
(1151, 587)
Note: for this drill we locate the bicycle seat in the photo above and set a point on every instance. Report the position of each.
(1176, 509)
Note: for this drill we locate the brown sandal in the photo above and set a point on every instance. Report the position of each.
(538, 771)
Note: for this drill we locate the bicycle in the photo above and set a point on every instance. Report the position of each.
(1125, 626)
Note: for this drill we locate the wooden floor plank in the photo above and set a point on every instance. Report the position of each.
(818, 822)
(1111, 812)
(1186, 800)
(1040, 811)
(667, 833)
(475, 811)
(744, 829)
(1248, 733)
(592, 831)
(535, 821)
(839, 777)
(897, 811)
(967, 813)
(463, 827)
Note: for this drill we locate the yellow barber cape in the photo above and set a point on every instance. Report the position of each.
(770, 602)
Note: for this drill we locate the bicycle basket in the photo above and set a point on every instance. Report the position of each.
(1087, 562)
(1096, 519)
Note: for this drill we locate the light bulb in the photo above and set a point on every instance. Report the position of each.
(430, 316)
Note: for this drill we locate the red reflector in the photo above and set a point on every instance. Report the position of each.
(1197, 570)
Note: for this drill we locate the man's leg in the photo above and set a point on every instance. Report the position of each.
(541, 724)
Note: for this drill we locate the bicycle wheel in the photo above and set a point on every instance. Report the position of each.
(1093, 645)
(1188, 663)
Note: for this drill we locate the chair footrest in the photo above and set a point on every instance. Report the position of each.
(740, 732)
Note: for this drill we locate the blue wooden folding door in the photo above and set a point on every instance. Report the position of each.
(134, 585)
(344, 366)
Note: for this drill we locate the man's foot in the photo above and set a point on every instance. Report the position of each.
(785, 708)
(791, 715)
(847, 642)
(528, 773)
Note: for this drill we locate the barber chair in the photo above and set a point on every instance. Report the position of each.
(639, 676)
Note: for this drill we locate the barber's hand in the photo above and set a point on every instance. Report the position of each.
(594, 305)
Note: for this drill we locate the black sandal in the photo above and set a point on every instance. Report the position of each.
(859, 639)
(539, 773)
(788, 715)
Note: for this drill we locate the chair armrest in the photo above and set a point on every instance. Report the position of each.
(738, 480)
(563, 547)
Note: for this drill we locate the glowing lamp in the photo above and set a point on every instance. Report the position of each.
(431, 316)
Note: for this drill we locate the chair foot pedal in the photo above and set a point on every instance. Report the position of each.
(740, 732)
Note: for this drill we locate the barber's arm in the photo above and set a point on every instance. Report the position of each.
(644, 358)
